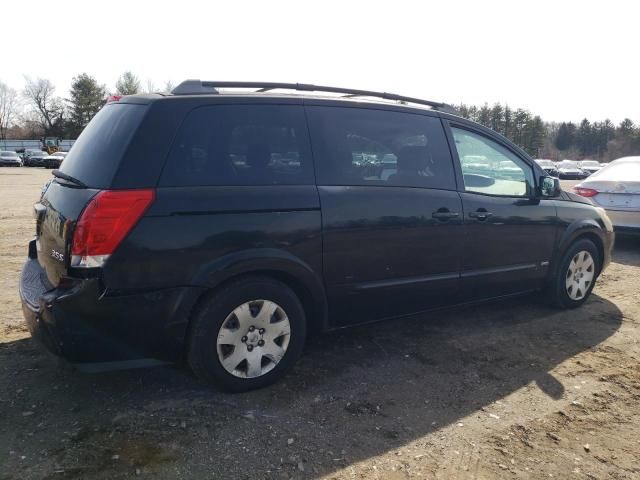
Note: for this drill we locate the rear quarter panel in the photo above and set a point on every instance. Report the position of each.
(201, 236)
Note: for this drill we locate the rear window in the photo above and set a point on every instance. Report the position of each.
(241, 145)
(95, 156)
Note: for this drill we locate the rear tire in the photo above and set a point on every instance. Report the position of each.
(576, 275)
(247, 335)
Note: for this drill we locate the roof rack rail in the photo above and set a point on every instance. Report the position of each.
(194, 87)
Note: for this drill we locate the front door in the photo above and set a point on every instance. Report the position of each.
(392, 217)
(509, 230)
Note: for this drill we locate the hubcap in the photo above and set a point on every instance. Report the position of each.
(253, 338)
(579, 275)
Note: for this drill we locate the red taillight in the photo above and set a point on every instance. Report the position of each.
(104, 223)
(114, 98)
(585, 192)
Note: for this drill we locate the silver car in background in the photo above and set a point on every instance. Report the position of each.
(589, 166)
(616, 188)
(10, 159)
(569, 169)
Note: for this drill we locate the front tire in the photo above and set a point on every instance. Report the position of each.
(247, 335)
(576, 275)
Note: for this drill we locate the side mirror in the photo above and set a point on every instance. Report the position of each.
(550, 187)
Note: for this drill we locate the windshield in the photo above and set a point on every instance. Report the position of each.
(8, 154)
(545, 163)
(590, 163)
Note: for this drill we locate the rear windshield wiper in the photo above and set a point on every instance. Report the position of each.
(68, 178)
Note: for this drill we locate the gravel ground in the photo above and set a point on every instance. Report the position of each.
(505, 390)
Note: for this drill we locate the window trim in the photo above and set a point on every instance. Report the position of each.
(451, 124)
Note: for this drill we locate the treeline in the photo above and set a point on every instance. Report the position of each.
(519, 125)
(37, 111)
(602, 140)
(598, 139)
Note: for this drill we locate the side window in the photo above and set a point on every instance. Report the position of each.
(357, 146)
(488, 167)
(241, 145)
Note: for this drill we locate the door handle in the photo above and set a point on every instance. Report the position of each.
(444, 214)
(481, 214)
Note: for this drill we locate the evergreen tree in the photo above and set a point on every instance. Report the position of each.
(128, 84)
(566, 137)
(484, 115)
(585, 138)
(87, 97)
(497, 118)
(626, 127)
(508, 121)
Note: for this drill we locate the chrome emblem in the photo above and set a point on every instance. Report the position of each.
(57, 255)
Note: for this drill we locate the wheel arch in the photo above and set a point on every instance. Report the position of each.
(277, 264)
(585, 229)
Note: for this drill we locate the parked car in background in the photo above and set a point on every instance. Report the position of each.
(589, 166)
(477, 164)
(223, 228)
(569, 169)
(54, 160)
(616, 188)
(508, 169)
(34, 158)
(548, 166)
(10, 159)
(27, 154)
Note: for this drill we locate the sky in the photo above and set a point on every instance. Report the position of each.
(562, 59)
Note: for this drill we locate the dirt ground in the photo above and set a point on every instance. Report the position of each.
(505, 390)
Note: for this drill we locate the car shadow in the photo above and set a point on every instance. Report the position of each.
(354, 395)
(627, 249)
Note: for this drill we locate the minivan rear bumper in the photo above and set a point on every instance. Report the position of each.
(84, 325)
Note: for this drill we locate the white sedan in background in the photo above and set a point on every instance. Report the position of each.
(616, 188)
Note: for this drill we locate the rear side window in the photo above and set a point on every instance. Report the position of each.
(357, 146)
(95, 156)
(241, 145)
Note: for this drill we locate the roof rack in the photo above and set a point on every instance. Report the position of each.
(197, 87)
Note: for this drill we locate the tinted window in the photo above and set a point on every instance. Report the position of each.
(356, 146)
(95, 156)
(241, 145)
(490, 168)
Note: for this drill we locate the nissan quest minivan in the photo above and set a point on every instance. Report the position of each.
(224, 222)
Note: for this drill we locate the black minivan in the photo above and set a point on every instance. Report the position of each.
(225, 226)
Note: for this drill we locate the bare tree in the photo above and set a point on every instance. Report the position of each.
(169, 85)
(151, 87)
(49, 109)
(8, 108)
